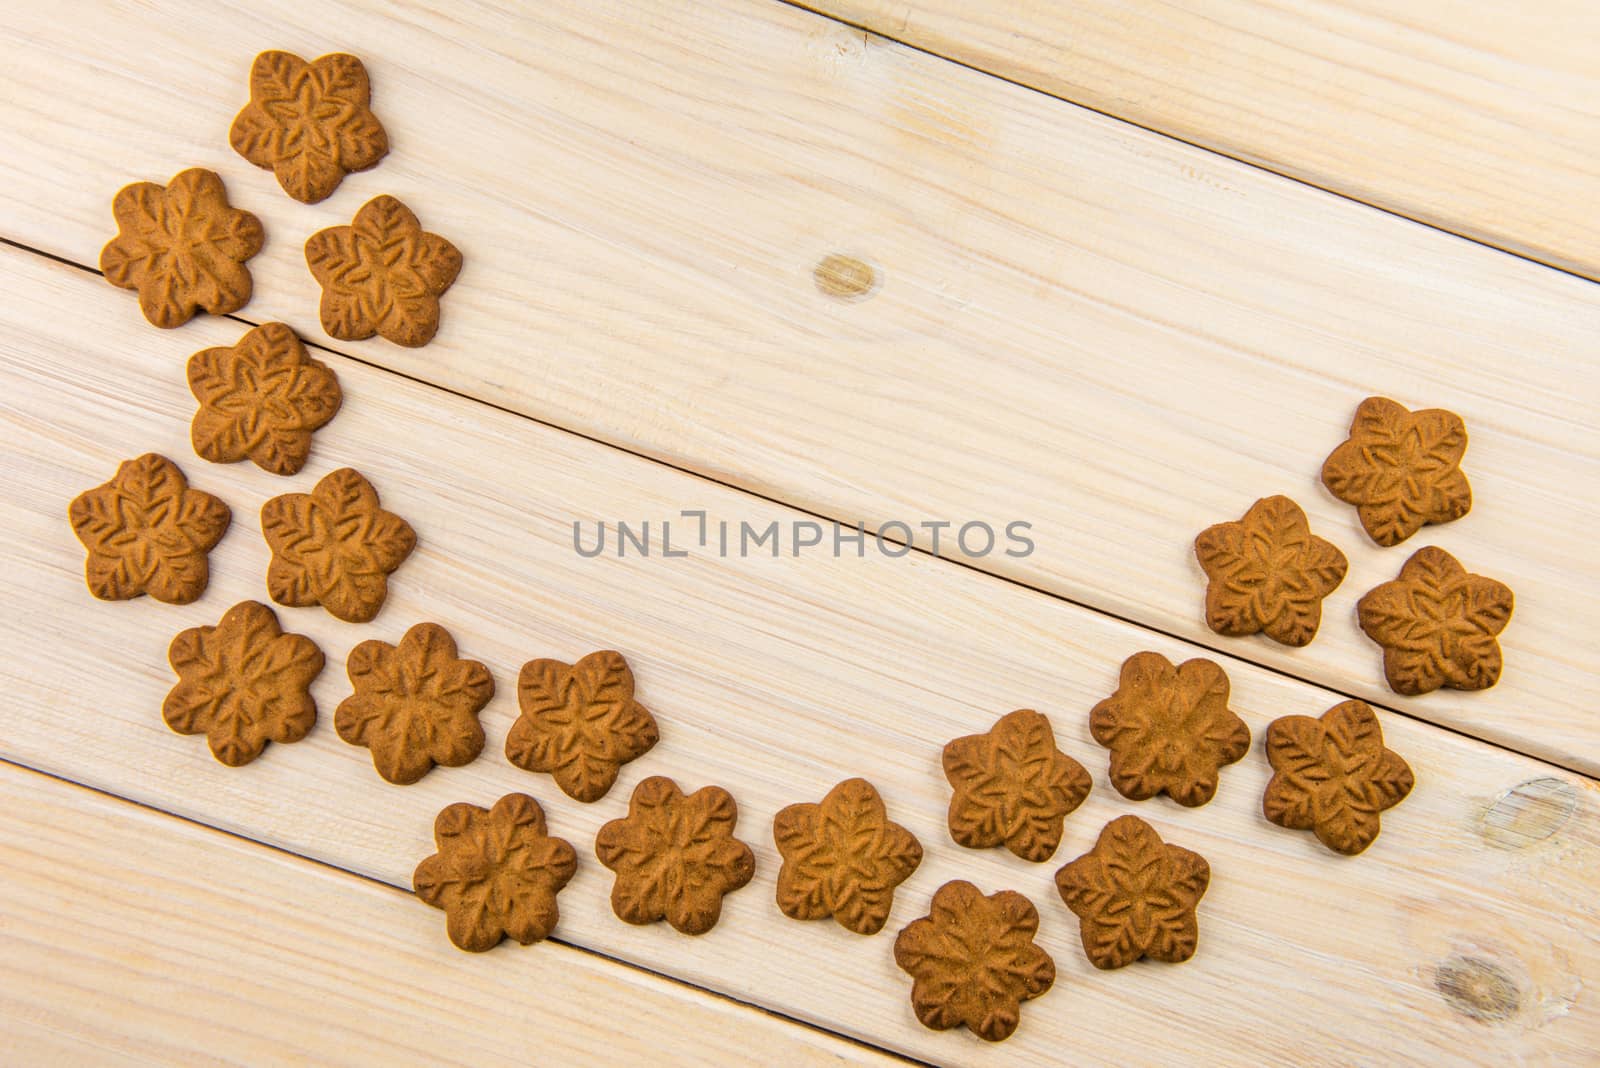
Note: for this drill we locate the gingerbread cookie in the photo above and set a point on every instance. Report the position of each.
(415, 704)
(1333, 776)
(973, 960)
(243, 683)
(675, 856)
(1268, 573)
(1012, 786)
(260, 400)
(310, 124)
(496, 874)
(383, 274)
(843, 858)
(1169, 729)
(1401, 469)
(1135, 896)
(1437, 624)
(182, 247)
(147, 531)
(579, 722)
(334, 546)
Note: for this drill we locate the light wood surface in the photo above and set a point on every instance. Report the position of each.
(1072, 322)
(1476, 118)
(133, 937)
(774, 678)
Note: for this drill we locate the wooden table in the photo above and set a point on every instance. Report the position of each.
(744, 259)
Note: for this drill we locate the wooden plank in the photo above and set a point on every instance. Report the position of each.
(774, 677)
(1472, 118)
(1077, 324)
(132, 937)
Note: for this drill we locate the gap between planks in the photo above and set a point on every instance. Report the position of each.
(1216, 649)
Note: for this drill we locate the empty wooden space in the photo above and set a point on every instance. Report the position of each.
(1074, 323)
(774, 678)
(1476, 118)
(132, 937)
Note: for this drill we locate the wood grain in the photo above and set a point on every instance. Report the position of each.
(1473, 118)
(1070, 322)
(775, 678)
(132, 937)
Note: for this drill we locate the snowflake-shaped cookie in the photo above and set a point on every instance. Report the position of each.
(182, 247)
(973, 960)
(675, 856)
(148, 531)
(843, 858)
(309, 123)
(415, 704)
(496, 874)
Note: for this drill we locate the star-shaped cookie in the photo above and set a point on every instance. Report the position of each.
(843, 858)
(260, 400)
(1268, 573)
(1135, 895)
(496, 874)
(334, 546)
(415, 704)
(309, 123)
(1169, 729)
(148, 531)
(182, 247)
(1401, 469)
(1012, 786)
(973, 960)
(1438, 625)
(675, 856)
(579, 722)
(383, 274)
(243, 683)
(1332, 775)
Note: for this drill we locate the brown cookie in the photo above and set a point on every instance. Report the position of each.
(415, 704)
(675, 856)
(147, 531)
(1268, 573)
(1012, 786)
(334, 546)
(1169, 729)
(182, 247)
(383, 274)
(973, 960)
(1437, 624)
(243, 683)
(497, 873)
(1135, 895)
(310, 124)
(1401, 469)
(843, 858)
(1332, 775)
(579, 722)
(260, 400)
